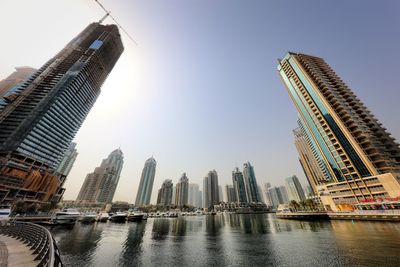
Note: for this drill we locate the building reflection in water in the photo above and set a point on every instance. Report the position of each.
(132, 249)
(178, 228)
(80, 243)
(357, 239)
(160, 229)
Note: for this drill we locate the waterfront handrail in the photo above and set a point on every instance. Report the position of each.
(38, 239)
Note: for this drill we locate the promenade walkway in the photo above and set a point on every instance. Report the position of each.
(15, 253)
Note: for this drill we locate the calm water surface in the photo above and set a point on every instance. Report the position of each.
(230, 240)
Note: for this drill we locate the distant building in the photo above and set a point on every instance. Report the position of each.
(145, 189)
(276, 196)
(210, 189)
(294, 189)
(311, 165)
(99, 186)
(200, 199)
(174, 195)
(284, 194)
(238, 185)
(193, 198)
(230, 193)
(308, 192)
(164, 197)
(65, 166)
(18, 76)
(260, 194)
(220, 193)
(267, 196)
(182, 191)
(250, 183)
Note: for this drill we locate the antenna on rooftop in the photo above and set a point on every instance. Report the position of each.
(108, 14)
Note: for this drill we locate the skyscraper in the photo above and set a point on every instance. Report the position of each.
(294, 189)
(200, 199)
(267, 195)
(230, 193)
(165, 193)
(182, 191)
(41, 116)
(284, 195)
(260, 194)
(99, 186)
(358, 158)
(276, 196)
(220, 193)
(18, 76)
(210, 189)
(193, 198)
(65, 167)
(143, 195)
(250, 183)
(311, 167)
(238, 185)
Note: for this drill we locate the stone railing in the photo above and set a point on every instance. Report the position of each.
(36, 238)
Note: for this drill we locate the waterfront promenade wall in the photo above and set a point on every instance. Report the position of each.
(392, 216)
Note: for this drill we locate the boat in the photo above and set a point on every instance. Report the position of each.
(88, 217)
(172, 215)
(135, 216)
(102, 217)
(66, 216)
(118, 217)
(5, 212)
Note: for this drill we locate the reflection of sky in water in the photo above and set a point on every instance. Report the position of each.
(230, 240)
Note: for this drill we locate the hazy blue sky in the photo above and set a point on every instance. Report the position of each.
(201, 90)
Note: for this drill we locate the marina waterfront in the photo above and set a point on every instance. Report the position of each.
(230, 240)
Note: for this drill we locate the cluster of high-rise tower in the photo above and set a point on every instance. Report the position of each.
(346, 154)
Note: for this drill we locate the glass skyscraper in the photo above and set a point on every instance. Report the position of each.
(238, 186)
(250, 183)
(294, 189)
(145, 189)
(211, 190)
(358, 158)
(41, 116)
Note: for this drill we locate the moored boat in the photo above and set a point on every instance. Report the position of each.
(118, 217)
(88, 217)
(103, 217)
(5, 212)
(66, 216)
(135, 216)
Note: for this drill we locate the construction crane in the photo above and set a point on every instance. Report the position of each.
(108, 14)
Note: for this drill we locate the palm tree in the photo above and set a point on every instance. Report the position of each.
(294, 205)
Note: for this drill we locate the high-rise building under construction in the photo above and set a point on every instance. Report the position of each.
(41, 117)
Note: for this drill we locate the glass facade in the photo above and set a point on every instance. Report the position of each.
(40, 119)
(145, 189)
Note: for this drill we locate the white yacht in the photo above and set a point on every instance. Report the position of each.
(66, 216)
(103, 217)
(118, 217)
(135, 215)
